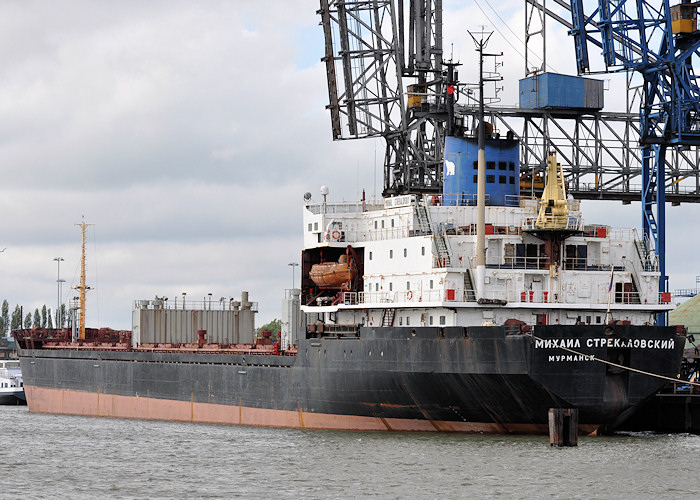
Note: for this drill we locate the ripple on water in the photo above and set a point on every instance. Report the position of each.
(53, 455)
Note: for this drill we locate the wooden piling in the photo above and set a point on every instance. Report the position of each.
(563, 427)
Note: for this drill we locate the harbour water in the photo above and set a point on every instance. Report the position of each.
(56, 456)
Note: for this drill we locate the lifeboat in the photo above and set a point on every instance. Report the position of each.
(333, 274)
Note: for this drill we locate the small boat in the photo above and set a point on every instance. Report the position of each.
(334, 274)
(11, 383)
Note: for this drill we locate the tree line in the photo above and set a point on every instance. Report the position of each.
(275, 326)
(42, 318)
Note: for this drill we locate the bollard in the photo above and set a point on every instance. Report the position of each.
(563, 427)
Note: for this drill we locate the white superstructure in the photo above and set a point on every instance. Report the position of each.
(11, 383)
(418, 266)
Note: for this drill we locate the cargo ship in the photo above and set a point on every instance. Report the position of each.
(397, 324)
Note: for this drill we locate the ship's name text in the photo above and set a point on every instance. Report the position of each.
(572, 357)
(605, 342)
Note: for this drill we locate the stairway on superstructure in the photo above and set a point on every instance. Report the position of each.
(642, 253)
(469, 294)
(426, 227)
(388, 317)
(443, 252)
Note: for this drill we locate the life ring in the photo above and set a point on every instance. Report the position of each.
(409, 295)
(335, 234)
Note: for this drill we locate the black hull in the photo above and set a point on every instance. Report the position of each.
(474, 379)
(12, 399)
(666, 413)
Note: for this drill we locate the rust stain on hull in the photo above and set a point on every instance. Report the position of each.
(64, 401)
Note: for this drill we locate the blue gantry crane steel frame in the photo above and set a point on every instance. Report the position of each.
(638, 35)
(368, 70)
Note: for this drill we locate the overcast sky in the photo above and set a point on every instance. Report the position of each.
(187, 133)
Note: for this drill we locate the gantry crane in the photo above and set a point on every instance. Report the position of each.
(660, 42)
(385, 83)
(387, 77)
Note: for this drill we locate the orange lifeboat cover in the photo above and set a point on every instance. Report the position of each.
(333, 274)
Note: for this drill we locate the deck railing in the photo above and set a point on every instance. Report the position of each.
(524, 296)
(222, 304)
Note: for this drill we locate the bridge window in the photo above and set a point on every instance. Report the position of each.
(405, 252)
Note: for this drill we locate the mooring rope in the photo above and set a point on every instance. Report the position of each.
(592, 357)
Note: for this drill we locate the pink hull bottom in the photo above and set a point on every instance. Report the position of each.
(70, 402)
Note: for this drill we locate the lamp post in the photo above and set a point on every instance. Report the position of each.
(59, 281)
(293, 265)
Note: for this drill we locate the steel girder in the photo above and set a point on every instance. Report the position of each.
(368, 69)
(640, 38)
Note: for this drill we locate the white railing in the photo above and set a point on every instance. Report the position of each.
(352, 235)
(222, 304)
(565, 222)
(510, 296)
(353, 207)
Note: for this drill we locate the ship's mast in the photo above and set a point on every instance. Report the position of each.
(82, 288)
(481, 173)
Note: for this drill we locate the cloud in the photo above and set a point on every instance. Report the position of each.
(171, 90)
(187, 132)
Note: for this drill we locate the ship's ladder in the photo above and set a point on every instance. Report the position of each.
(388, 317)
(439, 237)
(634, 297)
(469, 292)
(423, 218)
(643, 253)
(443, 253)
